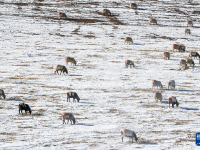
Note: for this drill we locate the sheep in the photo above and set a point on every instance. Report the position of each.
(129, 63)
(171, 84)
(187, 31)
(62, 15)
(189, 23)
(128, 40)
(173, 100)
(190, 61)
(70, 59)
(158, 96)
(68, 116)
(128, 133)
(152, 21)
(183, 63)
(73, 95)
(61, 68)
(194, 54)
(157, 83)
(2, 94)
(179, 47)
(25, 107)
(106, 12)
(133, 6)
(166, 55)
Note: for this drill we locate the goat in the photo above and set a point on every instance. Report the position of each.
(152, 21)
(133, 6)
(2, 94)
(158, 96)
(61, 68)
(129, 63)
(73, 95)
(194, 54)
(187, 31)
(25, 107)
(62, 15)
(189, 23)
(106, 12)
(157, 83)
(171, 84)
(128, 133)
(173, 100)
(68, 116)
(70, 59)
(166, 55)
(190, 61)
(128, 40)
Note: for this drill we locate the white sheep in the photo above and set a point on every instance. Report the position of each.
(128, 133)
(157, 84)
(70, 59)
(158, 96)
(171, 84)
(166, 55)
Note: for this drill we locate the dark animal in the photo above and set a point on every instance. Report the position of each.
(194, 54)
(62, 15)
(129, 63)
(68, 116)
(173, 100)
(128, 133)
(73, 95)
(61, 68)
(2, 94)
(25, 107)
(106, 12)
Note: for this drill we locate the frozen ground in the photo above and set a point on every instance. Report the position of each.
(33, 41)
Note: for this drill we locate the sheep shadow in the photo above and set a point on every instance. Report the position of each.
(85, 124)
(141, 9)
(163, 25)
(145, 143)
(186, 90)
(15, 99)
(196, 35)
(187, 108)
(137, 44)
(165, 102)
(75, 75)
(87, 103)
(113, 15)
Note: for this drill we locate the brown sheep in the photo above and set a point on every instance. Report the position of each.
(166, 55)
(61, 68)
(62, 15)
(152, 21)
(133, 6)
(189, 23)
(187, 31)
(129, 63)
(128, 40)
(179, 47)
(70, 59)
(106, 12)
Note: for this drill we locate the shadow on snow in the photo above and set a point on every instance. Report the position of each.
(187, 108)
(87, 103)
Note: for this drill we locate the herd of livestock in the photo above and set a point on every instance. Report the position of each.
(157, 95)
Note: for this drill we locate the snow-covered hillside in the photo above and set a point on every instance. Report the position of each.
(33, 40)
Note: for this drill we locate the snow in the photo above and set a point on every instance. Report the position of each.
(33, 40)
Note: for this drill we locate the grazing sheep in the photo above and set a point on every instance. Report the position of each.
(194, 54)
(128, 40)
(179, 47)
(158, 96)
(187, 31)
(183, 62)
(68, 116)
(62, 15)
(157, 84)
(70, 59)
(190, 61)
(133, 6)
(171, 84)
(166, 55)
(61, 68)
(73, 95)
(173, 100)
(152, 21)
(189, 23)
(129, 63)
(25, 107)
(2, 94)
(128, 133)
(106, 12)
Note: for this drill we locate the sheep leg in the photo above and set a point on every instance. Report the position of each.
(122, 139)
(67, 121)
